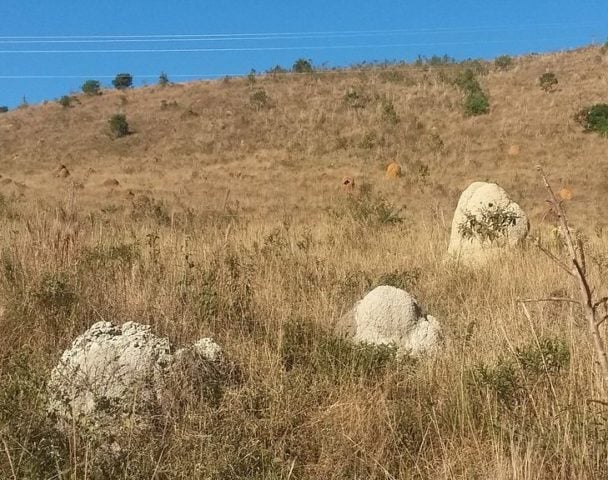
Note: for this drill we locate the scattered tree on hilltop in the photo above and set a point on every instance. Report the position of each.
(302, 66)
(122, 81)
(163, 79)
(91, 87)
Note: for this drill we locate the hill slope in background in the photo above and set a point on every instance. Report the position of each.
(284, 151)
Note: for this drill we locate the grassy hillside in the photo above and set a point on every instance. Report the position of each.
(287, 152)
(228, 219)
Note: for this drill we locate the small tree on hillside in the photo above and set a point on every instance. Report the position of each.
(122, 81)
(65, 101)
(91, 87)
(119, 125)
(163, 79)
(594, 118)
(3, 109)
(504, 62)
(302, 66)
(548, 82)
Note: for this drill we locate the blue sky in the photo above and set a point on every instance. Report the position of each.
(327, 32)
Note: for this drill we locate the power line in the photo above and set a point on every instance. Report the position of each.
(263, 37)
(311, 33)
(271, 49)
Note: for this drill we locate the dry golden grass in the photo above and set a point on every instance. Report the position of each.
(228, 220)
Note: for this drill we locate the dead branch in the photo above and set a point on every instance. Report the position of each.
(556, 260)
(577, 262)
(550, 299)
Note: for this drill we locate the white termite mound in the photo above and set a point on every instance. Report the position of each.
(486, 221)
(391, 316)
(115, 375)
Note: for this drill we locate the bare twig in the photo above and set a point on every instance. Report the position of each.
(10, 460)
(601, 301)
(576, 261)
(550, 299)
(556, 260)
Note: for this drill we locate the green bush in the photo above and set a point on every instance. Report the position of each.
(594, 118)
(259, 99)
(548, 81)
(504, 62)
(119, 125)
(302, 66)
(355, 99)
(533, 366)
(91, 87)
(55, 293)
(122, 81)
(389, 114)
(490, 225)
(3, 109)
(65, 101)
(547, 356)
(369, 209)
(476, 103)
(467, 81)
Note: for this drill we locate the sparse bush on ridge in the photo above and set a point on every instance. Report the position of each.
(3, 109)
(65, 101)
(277, 70)
(302, 65)
(122, 81)
(504, 62)
(91, 87)
(163, 79)
(434, 60)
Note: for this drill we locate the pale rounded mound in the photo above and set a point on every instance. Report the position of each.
(115, 374)
(565, 193)
(480, 207)
(393, 170)
(111, 182)
(514, 150)
(391, 316)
